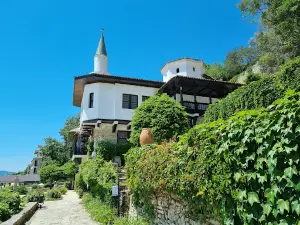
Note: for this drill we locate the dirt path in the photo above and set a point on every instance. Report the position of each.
(68, 211)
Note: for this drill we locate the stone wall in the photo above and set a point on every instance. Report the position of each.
(169, 210)
(104, 132)
(22, 217)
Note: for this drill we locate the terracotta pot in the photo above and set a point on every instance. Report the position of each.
(146, 137)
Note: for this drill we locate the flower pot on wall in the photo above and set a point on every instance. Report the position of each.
(146, 137)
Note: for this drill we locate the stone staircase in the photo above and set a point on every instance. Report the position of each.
(123, 192)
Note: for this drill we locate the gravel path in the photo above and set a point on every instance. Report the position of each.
(68, 211)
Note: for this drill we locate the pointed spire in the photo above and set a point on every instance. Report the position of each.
(101, 50)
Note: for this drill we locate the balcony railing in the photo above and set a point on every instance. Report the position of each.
(193, 107)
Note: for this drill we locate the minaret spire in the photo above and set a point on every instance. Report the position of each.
(100, 58)
(101, 50)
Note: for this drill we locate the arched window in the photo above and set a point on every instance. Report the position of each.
(194, 69)
(177, 70)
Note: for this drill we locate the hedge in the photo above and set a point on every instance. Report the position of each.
(244, 170)
(4, 212)
(257, 94)
(12, 199)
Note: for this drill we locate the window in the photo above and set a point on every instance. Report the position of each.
(177, 70)
(144, 98)
(123, 136)
(194, 69)
(91, 100)
(130, 101)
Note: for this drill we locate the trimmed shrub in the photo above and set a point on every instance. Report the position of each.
(53, 194)
(22, 190)
(34, 195)
(62, 189)
(98, 210)
(257, 94)
(165, 116)
(4, 212)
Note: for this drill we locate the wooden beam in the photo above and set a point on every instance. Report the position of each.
(114, 126)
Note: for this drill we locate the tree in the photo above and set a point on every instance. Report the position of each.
(281, 16)
(238, 60)
(50, 173)
(71, 123)
(54, 152)
(215, 70)
(163, 114)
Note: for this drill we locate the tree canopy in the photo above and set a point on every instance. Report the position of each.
(164, 115)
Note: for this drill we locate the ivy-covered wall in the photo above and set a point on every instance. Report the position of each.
(244, 170)
(257, 94)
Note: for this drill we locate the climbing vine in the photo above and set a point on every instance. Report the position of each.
(244, 170)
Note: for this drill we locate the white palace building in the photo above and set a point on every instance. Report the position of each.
(108, 102)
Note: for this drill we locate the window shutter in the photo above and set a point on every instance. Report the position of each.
(126, 101)
(134, 101)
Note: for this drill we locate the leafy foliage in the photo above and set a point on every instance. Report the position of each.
(108, 149)
(165, 116)
(4, 212)
(281, 16)
(12, 199)
(51, 173)
(130, 221)
(98, 211)
(34, 195)
(54, 152)
(257, 94)
(100, 176)
(53, 194)
(244, 170)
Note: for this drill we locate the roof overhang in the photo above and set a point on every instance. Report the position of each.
(198, 86)
(81, 81)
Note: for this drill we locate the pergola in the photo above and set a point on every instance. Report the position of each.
(197, 87)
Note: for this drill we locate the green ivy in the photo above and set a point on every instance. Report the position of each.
(257, 94)
(244, 170)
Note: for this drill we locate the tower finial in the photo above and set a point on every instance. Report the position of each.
(101, 50)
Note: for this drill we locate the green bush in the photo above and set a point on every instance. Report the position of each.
(98, 210)
(4, 212)
(106, 149)
(100, 176)
(165, 116)
(244, 170)
(79, 184)
(62, 189)
(35, 186)
(130, 221)
(12, 199)
(34, 195)
(22, 190)
(53, 194)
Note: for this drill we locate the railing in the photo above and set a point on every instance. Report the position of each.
(193, 107)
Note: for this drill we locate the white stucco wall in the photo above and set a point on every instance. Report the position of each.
(185, 67)
(101, 64)
(108, 100)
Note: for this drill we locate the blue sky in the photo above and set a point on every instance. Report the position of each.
(44, 44)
